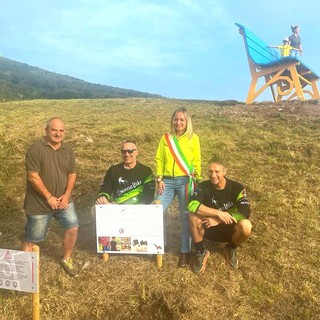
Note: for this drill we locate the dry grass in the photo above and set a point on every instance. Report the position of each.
(273, 149)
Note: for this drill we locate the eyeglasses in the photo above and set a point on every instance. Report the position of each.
(130, 151)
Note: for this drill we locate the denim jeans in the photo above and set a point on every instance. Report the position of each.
(177, 187)
(37, 225)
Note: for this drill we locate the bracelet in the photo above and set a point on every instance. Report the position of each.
(49, 198)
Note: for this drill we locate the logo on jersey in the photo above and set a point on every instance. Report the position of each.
(122, 181)
(226, 206)
(214, 202)
(133, 185)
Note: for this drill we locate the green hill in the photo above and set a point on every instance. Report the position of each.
(20, 81)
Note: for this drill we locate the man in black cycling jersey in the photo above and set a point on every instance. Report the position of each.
(128, 182)
(219, 211)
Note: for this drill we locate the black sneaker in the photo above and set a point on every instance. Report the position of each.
(201, 261)
(68, 266)
(231, 256)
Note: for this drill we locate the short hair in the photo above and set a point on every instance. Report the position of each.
(218, 161)
(294, 28)
(50, 120)
(129, 141)
(189, 128)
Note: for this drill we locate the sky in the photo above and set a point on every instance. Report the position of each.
(183, 49)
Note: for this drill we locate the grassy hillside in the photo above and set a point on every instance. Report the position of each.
(20, 81)
(273, 149)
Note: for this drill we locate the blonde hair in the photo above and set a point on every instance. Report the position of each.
(189, 129)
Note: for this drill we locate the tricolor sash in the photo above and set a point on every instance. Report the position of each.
(182, 162)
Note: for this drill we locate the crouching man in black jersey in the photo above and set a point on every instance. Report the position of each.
(128, 182)
(219, 211)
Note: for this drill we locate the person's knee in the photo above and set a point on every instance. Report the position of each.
(245, 227)
(192, 218)
(195, 221)
(72, 232)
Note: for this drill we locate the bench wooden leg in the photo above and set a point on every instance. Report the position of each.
(315, 90)
(296, 82)
(252, 89)
(267, 78)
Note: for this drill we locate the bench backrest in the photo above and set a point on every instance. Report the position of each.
(258, 51)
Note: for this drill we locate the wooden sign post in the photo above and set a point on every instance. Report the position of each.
(36, 296)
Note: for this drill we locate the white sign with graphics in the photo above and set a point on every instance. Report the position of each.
(18, 270)
(134, 229)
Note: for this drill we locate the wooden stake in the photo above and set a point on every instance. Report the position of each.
(36, 296)
(159, 260)
(105, 256)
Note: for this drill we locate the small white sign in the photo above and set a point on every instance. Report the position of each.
(134, 229)
(18, 270)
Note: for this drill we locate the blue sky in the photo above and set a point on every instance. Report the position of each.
(185, 49)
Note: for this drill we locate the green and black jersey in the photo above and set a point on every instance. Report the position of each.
(232, 199)
(134, 186)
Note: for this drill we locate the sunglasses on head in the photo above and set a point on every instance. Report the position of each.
(130, 151)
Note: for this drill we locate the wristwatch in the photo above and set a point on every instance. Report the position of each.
(159, 178)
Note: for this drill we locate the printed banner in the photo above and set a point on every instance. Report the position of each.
(134, 229)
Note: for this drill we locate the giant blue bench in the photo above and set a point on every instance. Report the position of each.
(288, 77)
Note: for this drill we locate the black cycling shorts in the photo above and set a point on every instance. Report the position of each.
(221, 232)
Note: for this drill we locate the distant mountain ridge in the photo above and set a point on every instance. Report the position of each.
(20, 81)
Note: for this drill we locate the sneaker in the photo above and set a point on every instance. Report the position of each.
(68, 267)
(231, 256)
(201, 261)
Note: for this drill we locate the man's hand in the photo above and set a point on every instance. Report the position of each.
(102, 200)
(53, 202)
(226, 218)
(209, 222)
(63, 201)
